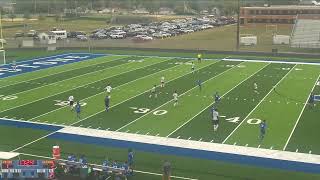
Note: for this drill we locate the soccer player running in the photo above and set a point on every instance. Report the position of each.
(130, 158)
(108, 89)
(199, 57)
(107, 103)
(263, 128)
(216, 98)
(175, 98)
(153, 92)
(311, 100)
(192, 67)
(71, 102)
(255, 88)
(199, 83)
(78, 110)
(215, 119)
(162, 82)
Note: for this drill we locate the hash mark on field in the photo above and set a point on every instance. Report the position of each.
(147, 133)
(271, 147)
(235, 143)
(45, 121)
(99, 127)
(80, 125)
(200, 139)
(189, 138)
(137, 132)
(297, 150)
(178, 137)
(211, 141)
(89, 126)
(158, 134)
(54, 123)
(310, 152)
(107, 129)
(259, 146)
(247, 145)
(127, 130)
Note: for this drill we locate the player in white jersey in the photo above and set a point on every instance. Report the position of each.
(192, 67)
(14, 65)
(215, 119)
(255, 87)
(71, 102)
(162, 82)
(108, 89)
(153, 92)
(175, 98)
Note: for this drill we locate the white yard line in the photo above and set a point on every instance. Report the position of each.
(137, 171)
(78, 87)
(104, 92)
(285, 146)
(62, 71)
(98, 112)
(211, 104)
(172, 99)
(262, 100)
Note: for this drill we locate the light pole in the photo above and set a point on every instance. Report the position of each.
(238, 26)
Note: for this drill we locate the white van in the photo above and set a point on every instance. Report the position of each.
(62, 34)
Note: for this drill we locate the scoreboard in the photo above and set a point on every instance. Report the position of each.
(27, 169)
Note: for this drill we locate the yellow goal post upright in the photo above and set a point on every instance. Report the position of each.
(2, 41)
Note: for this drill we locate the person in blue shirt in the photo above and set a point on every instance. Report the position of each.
(263, 128)
(107, 103)
(199, 83)
(78, 109)
(217, 97)
(130, 158)
(311, 100)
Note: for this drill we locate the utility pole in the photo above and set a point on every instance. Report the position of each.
(238, 27)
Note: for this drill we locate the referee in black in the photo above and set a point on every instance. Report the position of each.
(166, 170)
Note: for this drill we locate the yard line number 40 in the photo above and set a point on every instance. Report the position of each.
(252, 121)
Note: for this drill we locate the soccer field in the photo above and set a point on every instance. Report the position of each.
(281, 99)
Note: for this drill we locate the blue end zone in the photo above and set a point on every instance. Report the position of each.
(208, 155)
(45, 62)
(21, 124)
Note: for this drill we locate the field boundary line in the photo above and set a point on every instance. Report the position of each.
(139, 93)
(221, 97)
(103, 92)
(39, 58)
(218, 75)
(81, 86)
(94, 114)
(138, 171)
(259, 104)
(297, 121)
(61, 71)
(74, 77)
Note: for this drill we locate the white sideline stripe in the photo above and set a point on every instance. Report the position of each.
(115, 88)
(97, 113)
(285, 146)
(221, 97)
(191, 144)
(138, 171)
(262, 100)
(172, 99)
(76, 87)
(272, 61)
(146, 90)
(62, 71)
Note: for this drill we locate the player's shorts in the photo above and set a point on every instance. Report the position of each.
(162, 82)
(71, 103)
(215, 122)
(175, 100)
(192, 69)
(130, 163)
(199, 59)
(262, 131)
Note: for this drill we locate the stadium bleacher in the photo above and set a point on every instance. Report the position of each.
(306, 32)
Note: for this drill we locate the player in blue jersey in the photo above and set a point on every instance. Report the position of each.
(311, 100)
(263, 128)
(130, 158)
(199, 83)
(107, 102)
(78, 109)
(217, 97)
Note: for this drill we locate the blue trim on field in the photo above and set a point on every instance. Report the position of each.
(44, 63)
(317, 97)
(202, 154)
(22, 124)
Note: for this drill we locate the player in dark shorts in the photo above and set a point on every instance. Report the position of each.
(166, 170)
(107, 103)
(311, 100)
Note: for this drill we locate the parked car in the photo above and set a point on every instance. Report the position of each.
(74, 34)
(117, 36)
(82, 38)
(19, 34)
(144, 37)
(32, 33)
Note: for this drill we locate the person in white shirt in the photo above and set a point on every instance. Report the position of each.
(175, 98)
(71, 102)
(162, 82)
(215, 119)
(108, 89)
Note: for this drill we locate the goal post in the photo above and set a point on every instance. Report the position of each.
(2, 56)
